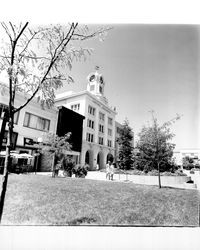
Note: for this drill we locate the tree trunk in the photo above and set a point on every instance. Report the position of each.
(3, 126)
(159, 181)
(5, 173)
(53, 165)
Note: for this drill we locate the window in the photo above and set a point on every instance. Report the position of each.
(101, 128)
(109, 143)
(110, 121)
(89, 137)
(91, 110)
(90, 123)
(36, 122)
(101, 140)
(100, 89)
(3, 108)
(101, 116)
(91, 87)
(110, 132)
(75, 107)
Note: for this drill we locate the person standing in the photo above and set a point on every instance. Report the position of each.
(108, 165)
(112, 171)
(56, 165)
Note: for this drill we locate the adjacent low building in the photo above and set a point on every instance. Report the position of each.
(71, 122)
(181, 153)
(30, 124)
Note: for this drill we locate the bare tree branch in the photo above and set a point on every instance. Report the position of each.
(7, 31)
(55, 57)
(15, 42)
(84, 37)
(36, 57)
(13, 29)
(29, 40)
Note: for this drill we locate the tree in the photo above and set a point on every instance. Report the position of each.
(155, 148)
(36, 61)
(125, 142)
(188, 163)
(56, 145)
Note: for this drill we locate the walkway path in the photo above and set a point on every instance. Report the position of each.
(98, 175)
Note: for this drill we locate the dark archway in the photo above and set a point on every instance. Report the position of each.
(100, 161)
(110, 157)
(89, 158)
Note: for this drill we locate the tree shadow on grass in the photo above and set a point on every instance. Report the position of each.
(82, 221)
(169, 187)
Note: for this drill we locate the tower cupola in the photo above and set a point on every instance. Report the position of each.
(96, 83)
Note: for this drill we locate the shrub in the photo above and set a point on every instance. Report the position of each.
(191, 171)
(68, 166)
(188, 166)
(135, 172)
(176, 173)
(155, 173)
(80, 171)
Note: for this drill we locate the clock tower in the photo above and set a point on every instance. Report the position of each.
(96, 85)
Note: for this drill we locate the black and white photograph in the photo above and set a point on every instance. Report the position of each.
(99, 126)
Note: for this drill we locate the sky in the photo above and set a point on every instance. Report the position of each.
(148, 67)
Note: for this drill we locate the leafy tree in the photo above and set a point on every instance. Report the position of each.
(155, 148)
(188, 162)
(56, 145)
(125, 142)
(36, 61)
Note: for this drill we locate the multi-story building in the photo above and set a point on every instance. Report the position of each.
(70, 121)
(30, 123)
(98, 137)
(86, 114)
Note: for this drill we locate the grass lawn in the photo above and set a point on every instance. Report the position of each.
(42, 200)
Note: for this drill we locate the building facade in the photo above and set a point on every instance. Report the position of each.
(30, 123)
(71, 122)
(181, 153)
(98, 137)
(86, 114)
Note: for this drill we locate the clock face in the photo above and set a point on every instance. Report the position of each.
(92, 77)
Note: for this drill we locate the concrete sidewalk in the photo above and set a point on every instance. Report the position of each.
(97, 175)
(123, 178)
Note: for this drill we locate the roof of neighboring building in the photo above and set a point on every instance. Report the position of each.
(70, 111)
